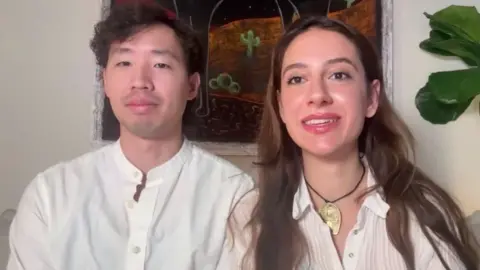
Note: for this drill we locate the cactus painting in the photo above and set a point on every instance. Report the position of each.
(250, 40)
(224, 82)
(237, 39)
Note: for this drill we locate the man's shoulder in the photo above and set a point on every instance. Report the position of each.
(219, 172)
(76, 166)
(208, 160)
(63, 182)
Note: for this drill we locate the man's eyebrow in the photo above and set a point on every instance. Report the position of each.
(166, 52)
(121, 50)
(160, 52)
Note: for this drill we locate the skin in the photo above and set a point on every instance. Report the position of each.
(148, 85)
(322, 73)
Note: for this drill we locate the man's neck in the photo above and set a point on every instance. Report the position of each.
(146, 154)
(333, 178)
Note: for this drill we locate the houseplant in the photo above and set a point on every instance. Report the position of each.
(455, 31)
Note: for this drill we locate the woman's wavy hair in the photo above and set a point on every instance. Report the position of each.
(386, 142)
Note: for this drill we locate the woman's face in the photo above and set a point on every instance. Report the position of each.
(324, 96)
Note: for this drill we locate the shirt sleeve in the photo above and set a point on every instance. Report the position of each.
(29, 231)
(435, 263)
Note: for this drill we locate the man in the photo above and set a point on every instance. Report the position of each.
(151, 200)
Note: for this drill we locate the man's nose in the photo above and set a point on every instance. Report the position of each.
(142, 79)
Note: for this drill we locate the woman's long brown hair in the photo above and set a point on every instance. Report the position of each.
(388, 146)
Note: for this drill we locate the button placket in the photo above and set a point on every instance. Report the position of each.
(352, 248)
(139, 220)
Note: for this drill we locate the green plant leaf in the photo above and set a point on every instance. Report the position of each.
(435, 36)
(441, 44)
(435, 111)
(457, 86)
(459, 21)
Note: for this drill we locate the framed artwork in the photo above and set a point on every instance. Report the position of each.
(238, 38)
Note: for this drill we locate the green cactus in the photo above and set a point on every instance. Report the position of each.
(349, 3)
(250, 40)
(224, 81)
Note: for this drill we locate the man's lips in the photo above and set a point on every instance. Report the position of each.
(141, 107)
(138, 104)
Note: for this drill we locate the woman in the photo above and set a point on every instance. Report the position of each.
(337, 189)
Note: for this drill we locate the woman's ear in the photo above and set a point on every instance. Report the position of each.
(280, 106)
(373, 99)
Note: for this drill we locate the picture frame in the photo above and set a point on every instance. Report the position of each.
(249, 149)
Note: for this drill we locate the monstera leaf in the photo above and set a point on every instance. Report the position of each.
(455, 31)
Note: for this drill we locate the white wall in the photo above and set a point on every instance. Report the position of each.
(456, 161)
(46, 65)
(46, 77)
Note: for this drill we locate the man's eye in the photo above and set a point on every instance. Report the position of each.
(161, 65)
(123, 64)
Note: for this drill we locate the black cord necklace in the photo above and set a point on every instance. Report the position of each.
(329, 212)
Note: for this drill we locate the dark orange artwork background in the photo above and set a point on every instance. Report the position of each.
(238, 38)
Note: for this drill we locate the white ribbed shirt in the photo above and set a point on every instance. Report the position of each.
(80, 215)
(367, 245)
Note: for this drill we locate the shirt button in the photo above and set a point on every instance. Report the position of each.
(130, 204)
(355, 232)
(136, 250)
(350, 255)
(136, 174)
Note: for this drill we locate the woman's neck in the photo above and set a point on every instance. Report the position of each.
(333, 179)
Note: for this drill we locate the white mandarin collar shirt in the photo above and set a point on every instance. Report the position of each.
(367, 246)
(80, 214)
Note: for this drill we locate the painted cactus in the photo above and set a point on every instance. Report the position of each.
(224, 81)
(250, 40)
(349, 3)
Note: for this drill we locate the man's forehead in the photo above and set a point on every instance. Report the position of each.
(159, 36)
(129, 48)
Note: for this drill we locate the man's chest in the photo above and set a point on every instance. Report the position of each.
(157, 232)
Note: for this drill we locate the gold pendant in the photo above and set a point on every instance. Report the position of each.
(331, 216)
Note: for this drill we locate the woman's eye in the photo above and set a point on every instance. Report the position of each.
(295, 80)
(161, 65)
(340, 76)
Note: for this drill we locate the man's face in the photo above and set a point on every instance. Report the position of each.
(148, 85)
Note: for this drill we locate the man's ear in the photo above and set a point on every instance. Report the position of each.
(193, 83)
(102, 81)
(373, 99)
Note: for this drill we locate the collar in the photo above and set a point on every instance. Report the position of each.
(374, 201)
(164, 172)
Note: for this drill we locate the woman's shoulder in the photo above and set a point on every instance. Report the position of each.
(429, 249)
(240, 232)
(243, 211)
